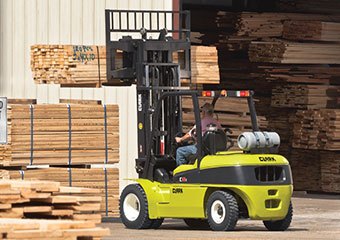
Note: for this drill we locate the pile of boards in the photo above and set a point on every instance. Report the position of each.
(291, 60)
(232, 113)
(85, 66)
(317, 129)
(34, 200)
(75, 144)
(61, 134)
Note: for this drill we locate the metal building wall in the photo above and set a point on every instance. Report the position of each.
(27, 22)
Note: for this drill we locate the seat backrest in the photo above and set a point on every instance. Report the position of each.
(214, 141)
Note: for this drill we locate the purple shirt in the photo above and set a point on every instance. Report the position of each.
(204, 123)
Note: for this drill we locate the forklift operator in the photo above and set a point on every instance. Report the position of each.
(207, 118)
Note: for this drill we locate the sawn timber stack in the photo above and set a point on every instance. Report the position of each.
(61, 134)
(85, 66)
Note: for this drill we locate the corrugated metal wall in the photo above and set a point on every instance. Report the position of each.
(27, 22)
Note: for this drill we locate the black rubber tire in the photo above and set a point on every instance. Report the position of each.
(195, 223)
(156, 223)
(280, 225)
(231, 208)
(142, 221)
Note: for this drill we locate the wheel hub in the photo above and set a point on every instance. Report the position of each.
(131, 207)
(218, 211)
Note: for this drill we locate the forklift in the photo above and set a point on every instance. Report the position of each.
(217, 187)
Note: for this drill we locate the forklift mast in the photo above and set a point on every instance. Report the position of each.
(148, 63)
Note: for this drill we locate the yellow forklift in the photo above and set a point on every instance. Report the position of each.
(218, 186)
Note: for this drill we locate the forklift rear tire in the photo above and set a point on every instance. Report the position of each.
(195, 223)
(133, 208)
(222, 211)
(280, 225)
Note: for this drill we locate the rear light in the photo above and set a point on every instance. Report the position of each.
(243, 93)
(208, 93)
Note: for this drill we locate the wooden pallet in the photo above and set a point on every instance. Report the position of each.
(55, 141)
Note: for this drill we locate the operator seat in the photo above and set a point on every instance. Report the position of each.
(213, 141)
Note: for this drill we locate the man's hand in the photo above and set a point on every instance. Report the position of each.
(178, 139)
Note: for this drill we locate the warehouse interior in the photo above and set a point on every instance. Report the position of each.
(287, 51)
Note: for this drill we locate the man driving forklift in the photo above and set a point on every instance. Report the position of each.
(207, 118)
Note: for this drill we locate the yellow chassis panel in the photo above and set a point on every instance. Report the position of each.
(178, 200)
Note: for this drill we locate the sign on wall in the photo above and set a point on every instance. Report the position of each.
(3, 120)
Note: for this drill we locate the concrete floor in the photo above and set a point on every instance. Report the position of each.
(315, 217)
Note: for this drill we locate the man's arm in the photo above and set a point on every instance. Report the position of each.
(187, 136)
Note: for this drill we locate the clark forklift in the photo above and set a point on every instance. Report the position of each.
(219, 186)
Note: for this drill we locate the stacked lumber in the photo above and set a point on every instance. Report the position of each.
(81, 101)
(317, 129)
(330, 171)
(305, 96)
(261, 25)
(311, 31)
(309, 6)
(47, 199)
(305, 74)
(294, 52)
(281, 121)
(305, 165)
(62, 135)
(232, 113)
(50, 229)
(104, 179)
(204, 65)
(83, 66)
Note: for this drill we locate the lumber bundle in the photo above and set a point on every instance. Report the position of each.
(317, 129)
(47, 199)
(105, 179)
(294, 52)
(309, 6)
(330, 171)
(50, 229)
(305, 96)
(305, 165)
(232, 113)
(60, 134)
(85, 66)
(204, 65)
(311, 31)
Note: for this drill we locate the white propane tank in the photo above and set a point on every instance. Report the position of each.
(251, 140)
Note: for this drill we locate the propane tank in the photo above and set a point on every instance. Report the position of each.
(255, 140)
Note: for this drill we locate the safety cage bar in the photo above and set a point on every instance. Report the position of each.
(133, 21)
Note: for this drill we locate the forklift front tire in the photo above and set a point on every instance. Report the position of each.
(133, 208)
(280, 225)
(222, 211)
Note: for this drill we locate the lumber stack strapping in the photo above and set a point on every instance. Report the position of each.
(78, 177)
(85, 66)
(232, 113)
(317, 129)
(294, 52)
(330, 171)
(305, 165)
(55, 141)
(47, 199)
(311, 31)
(305, 96)
(50, 229)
